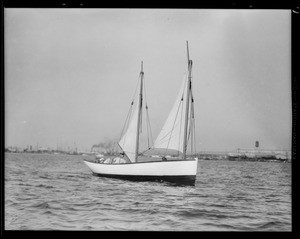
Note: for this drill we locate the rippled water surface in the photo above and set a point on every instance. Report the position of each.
(58, 192)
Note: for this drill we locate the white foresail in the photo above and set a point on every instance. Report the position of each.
(128, 140)
(172, 133)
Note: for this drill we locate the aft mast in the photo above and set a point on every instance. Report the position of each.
(188, 92)
(139, 114)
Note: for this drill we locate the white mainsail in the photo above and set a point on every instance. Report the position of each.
(172, 134)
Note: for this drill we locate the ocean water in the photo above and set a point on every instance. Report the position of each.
(58, 192)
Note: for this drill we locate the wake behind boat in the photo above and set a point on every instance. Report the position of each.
(177, 134)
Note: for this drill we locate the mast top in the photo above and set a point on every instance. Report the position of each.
(142, 66)
(187, 47)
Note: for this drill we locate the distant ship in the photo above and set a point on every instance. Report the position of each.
(177, 133)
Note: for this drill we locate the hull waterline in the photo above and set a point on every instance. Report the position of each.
(178, 180)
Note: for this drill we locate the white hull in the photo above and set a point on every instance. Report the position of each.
(173, 170)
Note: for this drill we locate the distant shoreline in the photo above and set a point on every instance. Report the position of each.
(201, 157)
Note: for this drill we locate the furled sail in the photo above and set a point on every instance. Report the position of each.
(172, 134)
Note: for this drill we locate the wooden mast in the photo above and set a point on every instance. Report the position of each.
(188, 91)
(139, 114)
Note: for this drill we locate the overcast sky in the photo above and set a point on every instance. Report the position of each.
(70, 74)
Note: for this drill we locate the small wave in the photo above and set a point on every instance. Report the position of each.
(71, 177)
(140, 210)
(68, 176)
(273, 201)
(44, 186)
(221, 226)
(265, 226)
(269, 225)
(24, 228)
(11, 203)
(41, 205)
(239, 198)
(202, 213)
(69, 208)
(48, 212)
(74, 175)
(221, 205)
(87, 228)
(25, 184)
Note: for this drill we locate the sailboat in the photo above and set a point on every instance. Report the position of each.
(177, 132)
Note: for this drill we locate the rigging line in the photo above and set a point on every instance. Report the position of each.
(194, 139)
(147, 115)
(146, 106)
(140, 153)
(141, 121)
(145, 150)
(173, 127)
(126, 134)
(147, 126)
(189, 134)
(167, 134)
(180, 126)
(127, 120)
(185, 85)
(145, 91)
(137, 84)
(149, 135)
(171, 137)
(190, 118)
(194, 121)
(166, 140)
(142, 101)
(193, 132)
(195, 149)
(185, 75)
(191, 124)
(190, 137)
(150, 127)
